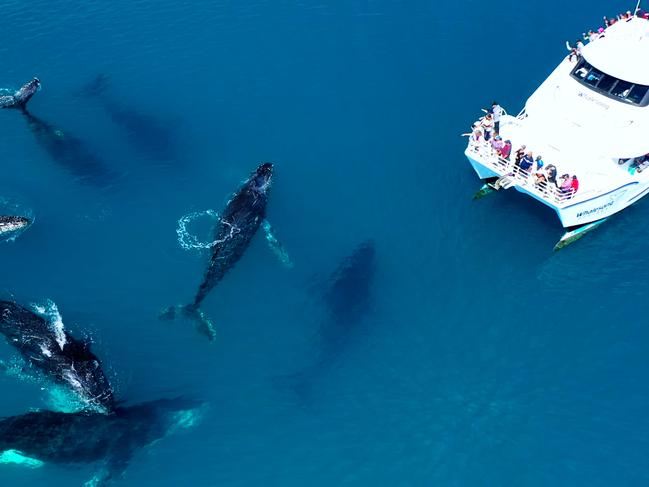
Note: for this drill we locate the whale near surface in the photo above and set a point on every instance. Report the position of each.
(48, 348)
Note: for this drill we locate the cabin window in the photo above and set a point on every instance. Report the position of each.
(607, 83)
(610, 86)
(593, 77)
(621, 89)
(638, 93)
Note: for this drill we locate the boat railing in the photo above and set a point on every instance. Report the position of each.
(525, 179)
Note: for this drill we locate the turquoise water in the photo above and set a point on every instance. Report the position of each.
(485, 359)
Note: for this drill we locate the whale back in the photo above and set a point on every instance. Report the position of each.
(57, 354)
(349, 295)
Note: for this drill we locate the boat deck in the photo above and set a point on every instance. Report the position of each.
(596, 178)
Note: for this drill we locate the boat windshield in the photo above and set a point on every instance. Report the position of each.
(610, 86)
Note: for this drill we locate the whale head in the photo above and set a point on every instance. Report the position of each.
(12, 223)
(262, 178)
(26, 91)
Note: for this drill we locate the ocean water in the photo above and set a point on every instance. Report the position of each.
(485, 358)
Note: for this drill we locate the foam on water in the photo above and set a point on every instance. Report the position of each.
(50, 312)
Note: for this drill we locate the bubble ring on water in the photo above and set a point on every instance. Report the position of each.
(189, 241)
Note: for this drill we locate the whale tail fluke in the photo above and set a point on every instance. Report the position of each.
(194, 313)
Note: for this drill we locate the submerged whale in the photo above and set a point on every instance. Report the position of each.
(41, 437)
(349, 294)
(9, 224)
(66, 149)
(145, 133)
(48, 348)
(70, 152)
(237, 224)
(348, 298)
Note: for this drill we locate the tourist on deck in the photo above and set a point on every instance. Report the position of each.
(540, 174)
(506, 150)
(551, 172)
(574, 51)
(527, 162)
(497, 144)
(540, 178)
(574, 185)
(496, 111)
(565, 184)
(519, 155)
(475, 137)
(487, 124)
(607, 22)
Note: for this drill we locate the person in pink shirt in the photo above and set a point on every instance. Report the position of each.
(506, 150)
(574, 185)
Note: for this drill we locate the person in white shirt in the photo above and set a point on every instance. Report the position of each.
(496, 111)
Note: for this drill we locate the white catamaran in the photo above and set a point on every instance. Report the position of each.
(590, 119)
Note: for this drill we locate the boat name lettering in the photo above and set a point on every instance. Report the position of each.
(594, 100)
(595, 210)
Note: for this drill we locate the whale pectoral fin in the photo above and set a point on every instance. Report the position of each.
(275, 245)
(16, 457)
(112, 470)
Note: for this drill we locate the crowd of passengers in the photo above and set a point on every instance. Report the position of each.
(591, 35)
(486, 134)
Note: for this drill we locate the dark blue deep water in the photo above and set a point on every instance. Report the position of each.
(484, 359)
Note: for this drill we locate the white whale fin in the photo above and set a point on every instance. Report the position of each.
(16, 457)
(112, 470)
(275, 245)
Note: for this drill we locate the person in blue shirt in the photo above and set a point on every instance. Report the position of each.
(527, 162)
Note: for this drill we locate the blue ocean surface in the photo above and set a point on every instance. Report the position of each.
(482, 359)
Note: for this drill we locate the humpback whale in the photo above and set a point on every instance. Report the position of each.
(66, 149)
(10, 224)
(70, 152)
(20, 98)
(48, 348)
(349, 295)
(41, 437)
(237, 224)
(145, 133)
(348, 298)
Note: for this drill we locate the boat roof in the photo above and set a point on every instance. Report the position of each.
(622, 51)
(583, 123)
